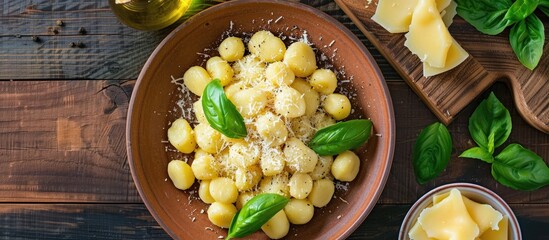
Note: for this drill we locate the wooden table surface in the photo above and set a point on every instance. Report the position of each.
(63, 163)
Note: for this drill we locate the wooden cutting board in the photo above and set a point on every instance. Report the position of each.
(491, 59)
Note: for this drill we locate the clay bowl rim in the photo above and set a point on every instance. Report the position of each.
(390, 118)
(471, 190)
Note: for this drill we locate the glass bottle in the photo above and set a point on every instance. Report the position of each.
(149, 15)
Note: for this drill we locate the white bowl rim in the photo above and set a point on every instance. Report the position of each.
(514, 227)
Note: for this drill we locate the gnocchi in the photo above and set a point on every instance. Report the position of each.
(300, 57)
(181, 136)
(278, 226)
(207, 138)
(337, 105)
(311, 96)
(284, 98)
(195, 79)
(223, 190)
(321, 192)
(279, 74)
(300, 185)
(289, 102)
(220, 69)
(181, 174)
(299, 211)
(323, 81)
(231, 49)
(221, 214)
(345, 167)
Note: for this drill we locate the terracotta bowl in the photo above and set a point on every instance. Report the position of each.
(474, 192)
(154, 106)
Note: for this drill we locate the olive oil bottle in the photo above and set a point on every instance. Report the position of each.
(149, 15)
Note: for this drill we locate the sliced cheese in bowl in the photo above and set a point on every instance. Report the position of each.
(500, 233)
(428, 37)
(449, 219)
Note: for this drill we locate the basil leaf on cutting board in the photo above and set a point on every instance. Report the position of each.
(256, 212)
(341, 137)
(527, 38)
(519, 168)
(521, 9)
(490, 124)
(487, 16)
(432, 152)
(478, 153)
(221, 113)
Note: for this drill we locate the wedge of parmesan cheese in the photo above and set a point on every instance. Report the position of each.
(394, 15)
(449, 13)
(428, 37)
(426, 22)
(455, 56)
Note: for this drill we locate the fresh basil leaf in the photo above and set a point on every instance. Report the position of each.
(527, 38)
(341, 137)
(478, 153)
(487, 16)
(544, 6)
(521, 169)
(221, 113)
(521, 9)
(490, 124)
(431, 152)
(256, 212)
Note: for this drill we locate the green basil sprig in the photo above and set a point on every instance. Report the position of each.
(478, 153)
(221, 113)
(527, 38)
(487, 16)
(527, 35)
(521, 9)
(256, 212)
(544, 6)
(490, 124)
(520, 168)
(515, 166)
(431, 152)
(341, 137)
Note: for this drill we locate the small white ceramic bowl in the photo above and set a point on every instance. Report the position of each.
(472, 191)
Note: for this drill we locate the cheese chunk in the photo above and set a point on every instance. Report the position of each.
(428, 37)
(455, 56)
(449, 219)
(449, 13)
(394, 15)
(443, 4)
(499, 234)
(439, 197)
(484, 215)
(417, 233)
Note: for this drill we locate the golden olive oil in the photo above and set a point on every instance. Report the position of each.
(149, 15)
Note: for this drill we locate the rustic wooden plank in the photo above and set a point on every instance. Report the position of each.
(78, 221)
(112, 50)
(133, 221)
(64, 141)
(412, 115)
